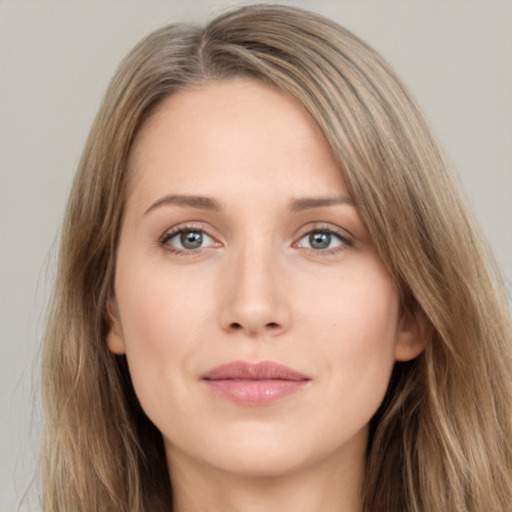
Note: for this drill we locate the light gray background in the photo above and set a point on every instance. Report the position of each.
(55, 61)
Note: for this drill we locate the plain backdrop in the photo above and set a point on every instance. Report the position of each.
(56, 59)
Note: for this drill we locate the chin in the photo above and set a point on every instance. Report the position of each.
(263, 452)
(255, 463)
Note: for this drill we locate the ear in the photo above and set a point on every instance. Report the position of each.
(413, 335)
(115, 338)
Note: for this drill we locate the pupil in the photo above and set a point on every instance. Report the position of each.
(191, 239)
(320, 240)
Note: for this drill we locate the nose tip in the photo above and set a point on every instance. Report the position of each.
(254, 303)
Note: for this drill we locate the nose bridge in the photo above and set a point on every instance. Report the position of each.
(254, 301)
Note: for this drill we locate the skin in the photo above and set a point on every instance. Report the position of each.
(256, 290)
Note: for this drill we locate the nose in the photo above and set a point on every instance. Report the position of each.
(254, 296)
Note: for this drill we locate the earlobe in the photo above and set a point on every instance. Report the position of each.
(413, 336)
(115, 338)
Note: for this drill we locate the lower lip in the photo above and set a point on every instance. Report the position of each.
(255, 392)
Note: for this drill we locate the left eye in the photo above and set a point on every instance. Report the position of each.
(320, 240)
(189, 239)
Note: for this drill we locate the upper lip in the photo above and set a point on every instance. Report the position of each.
(264, 370)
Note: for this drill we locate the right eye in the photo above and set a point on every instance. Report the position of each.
(187, 239)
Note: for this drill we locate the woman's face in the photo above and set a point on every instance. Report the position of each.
(259, 323)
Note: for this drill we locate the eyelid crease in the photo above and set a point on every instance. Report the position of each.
(343, 233)
(345, 239)
(172, 232)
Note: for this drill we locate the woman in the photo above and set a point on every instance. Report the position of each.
(270, 292)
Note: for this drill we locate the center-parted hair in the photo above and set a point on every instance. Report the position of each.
(442, 439)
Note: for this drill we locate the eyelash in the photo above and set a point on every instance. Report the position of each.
(345, 242)
(169, 235)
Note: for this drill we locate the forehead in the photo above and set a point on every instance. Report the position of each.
(231, 132)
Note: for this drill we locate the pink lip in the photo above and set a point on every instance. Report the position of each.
(254, 383)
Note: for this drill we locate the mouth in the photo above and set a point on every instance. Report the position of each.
(254, 384)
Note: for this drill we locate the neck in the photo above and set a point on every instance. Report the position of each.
(323, 487)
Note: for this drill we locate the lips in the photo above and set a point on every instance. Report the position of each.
(254, 384)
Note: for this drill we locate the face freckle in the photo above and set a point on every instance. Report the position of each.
(216, 269)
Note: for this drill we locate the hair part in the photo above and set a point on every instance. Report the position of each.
(441, 439)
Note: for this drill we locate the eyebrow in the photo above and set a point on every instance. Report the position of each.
(307, 203)
(207, 203)
(199, 202)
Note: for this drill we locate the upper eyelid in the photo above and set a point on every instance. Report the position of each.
(342, 233)
(188, 226)
(172, 234)
(342, 239)
(325, 226)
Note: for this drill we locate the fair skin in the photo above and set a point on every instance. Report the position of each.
(240, 242)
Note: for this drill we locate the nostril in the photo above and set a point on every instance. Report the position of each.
(235, 326)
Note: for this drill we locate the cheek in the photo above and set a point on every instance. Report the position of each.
(159, 307)
(360, 307)
(161, 322)
(355, 322)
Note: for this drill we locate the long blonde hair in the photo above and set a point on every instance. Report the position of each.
(442, 439)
